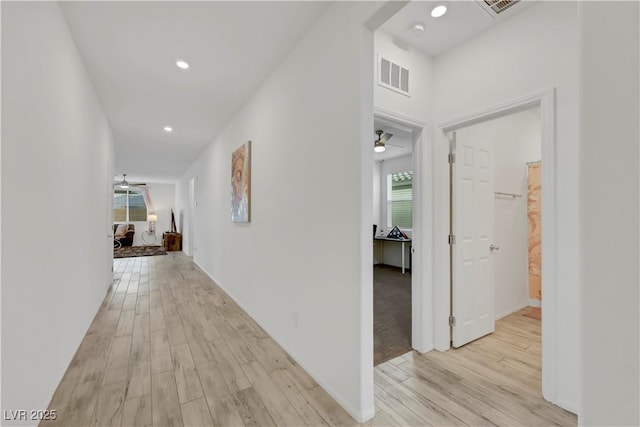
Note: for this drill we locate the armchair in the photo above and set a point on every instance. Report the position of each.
(123, 239)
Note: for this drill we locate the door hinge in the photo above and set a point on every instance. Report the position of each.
(452, 239)
(452, 321)
(452, 157)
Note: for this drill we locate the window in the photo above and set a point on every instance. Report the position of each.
(400, 199)
(128, 206)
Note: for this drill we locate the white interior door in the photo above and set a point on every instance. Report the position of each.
(473, 277)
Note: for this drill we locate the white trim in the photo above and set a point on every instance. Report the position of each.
(410, 122)
(546, 100)
(511, 310)
(359, 416)
(535, 302)
(421, 284)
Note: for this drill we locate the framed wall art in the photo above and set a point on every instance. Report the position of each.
(241, 183)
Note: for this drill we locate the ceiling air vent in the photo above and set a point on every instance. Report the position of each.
(495, 7)
(393, 76)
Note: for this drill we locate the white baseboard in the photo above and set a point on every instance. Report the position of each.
(569, 406)
(511, 310)
(358, 416)
(535, 302)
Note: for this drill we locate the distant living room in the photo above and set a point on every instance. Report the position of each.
(142, 219)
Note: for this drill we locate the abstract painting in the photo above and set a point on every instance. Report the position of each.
(241, 183)
(534, 209)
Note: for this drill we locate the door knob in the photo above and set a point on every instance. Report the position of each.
(494, 247)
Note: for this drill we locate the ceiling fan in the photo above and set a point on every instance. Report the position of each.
(124, 184)
(380, 144)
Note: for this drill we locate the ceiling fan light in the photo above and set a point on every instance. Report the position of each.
(379, 147)
(124, 184)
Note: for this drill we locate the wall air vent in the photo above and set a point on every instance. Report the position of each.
(495, 7)
(393, 76)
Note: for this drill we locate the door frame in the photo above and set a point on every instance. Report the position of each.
(421, 326)
(546, 100)
(191, 216)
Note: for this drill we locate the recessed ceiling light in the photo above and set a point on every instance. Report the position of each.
(439, 10)
(182, 64)
(168, 129)
(416, 28)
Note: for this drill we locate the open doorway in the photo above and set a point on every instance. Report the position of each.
(395, 210)
(496, 240)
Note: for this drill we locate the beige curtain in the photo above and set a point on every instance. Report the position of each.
(147, 199)
(534, 204)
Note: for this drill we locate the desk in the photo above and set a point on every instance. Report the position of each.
(389, 239)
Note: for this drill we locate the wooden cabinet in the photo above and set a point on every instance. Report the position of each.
(172, 241)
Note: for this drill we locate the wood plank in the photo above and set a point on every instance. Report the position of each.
(200, 349)
(139, 382)
(278, 406)
(110, 405)
(175, 330)
(142, 304)
(130, 302)
(118, 362)
(125, 323)
(196, 413)
(141, 328)
(160, 352)
(155, 299)
(252, 409)
(221, 404)
(165, 405)
(297, 396)
(187, 380)
(328, 408)
(156, 319)
(81, 404)
(234, 376)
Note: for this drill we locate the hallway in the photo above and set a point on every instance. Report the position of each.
(168, 347)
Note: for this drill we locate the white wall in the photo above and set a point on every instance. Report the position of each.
(163, 198)
(310, 292)
(417, 106)
(515, 140)
(532, 52)
(609, 206)
(57, 157)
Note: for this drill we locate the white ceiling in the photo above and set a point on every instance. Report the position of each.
(130, 50)
(463, 20)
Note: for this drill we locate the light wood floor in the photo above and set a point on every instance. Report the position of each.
(170, 348)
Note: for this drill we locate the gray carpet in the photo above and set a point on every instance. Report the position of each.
(391, 313)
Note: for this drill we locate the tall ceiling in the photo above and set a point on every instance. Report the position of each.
(463, 20)
(130, 50)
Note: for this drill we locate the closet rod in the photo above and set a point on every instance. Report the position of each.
(498, 193)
